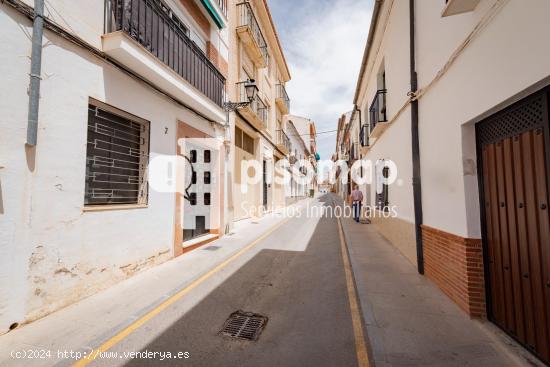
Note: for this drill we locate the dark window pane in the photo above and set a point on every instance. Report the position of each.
(207, 178)
(193, 156)
(193, 198)
(194, 178)
(200, 225)
(207, 156)
(248, 143)
(238, 138)
(207, 198)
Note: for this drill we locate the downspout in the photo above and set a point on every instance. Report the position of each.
(417, 185)
(36, 65)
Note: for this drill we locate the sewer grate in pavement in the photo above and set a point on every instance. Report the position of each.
(244, 325)
(212, 248)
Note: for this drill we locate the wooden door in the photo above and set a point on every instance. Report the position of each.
(513, 150)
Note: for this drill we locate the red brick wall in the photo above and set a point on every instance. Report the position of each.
(216, 59)
(455, 264)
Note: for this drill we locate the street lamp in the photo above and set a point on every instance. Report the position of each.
(251, 89)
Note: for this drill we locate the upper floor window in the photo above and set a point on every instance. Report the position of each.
(244, 141)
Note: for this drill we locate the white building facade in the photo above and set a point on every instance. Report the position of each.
(76, 211)
(259, 138)
(482, 71)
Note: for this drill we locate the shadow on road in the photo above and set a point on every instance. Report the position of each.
(302, 293)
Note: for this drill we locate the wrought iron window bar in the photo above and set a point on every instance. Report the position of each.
(247, 18)
(282, 94)
(283, 139)
(377, 110)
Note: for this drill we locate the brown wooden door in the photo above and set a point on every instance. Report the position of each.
(513, 147)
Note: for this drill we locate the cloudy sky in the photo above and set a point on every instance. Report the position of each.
(323, 42)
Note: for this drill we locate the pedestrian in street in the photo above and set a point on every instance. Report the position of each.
(356, 199)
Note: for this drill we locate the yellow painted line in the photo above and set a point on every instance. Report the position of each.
(148, 316)
(360, 345)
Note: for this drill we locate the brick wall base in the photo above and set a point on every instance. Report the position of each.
(455, 264)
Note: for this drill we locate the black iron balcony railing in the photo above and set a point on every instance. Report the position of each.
(246, 17)
(377, 109)
(282, 94)
(282, 139)
(155, 27)
(257, 106)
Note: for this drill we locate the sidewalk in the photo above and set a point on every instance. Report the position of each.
(89, 322)
(409, 321)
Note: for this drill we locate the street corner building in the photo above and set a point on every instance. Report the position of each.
(456, 94)
(259, 128)
(121, 83)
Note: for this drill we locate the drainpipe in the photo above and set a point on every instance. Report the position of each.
(36, 64)
(417, 185)
(227, 144)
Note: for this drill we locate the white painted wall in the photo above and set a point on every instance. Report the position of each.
(510, 54)
(53, 253)
(395, 143)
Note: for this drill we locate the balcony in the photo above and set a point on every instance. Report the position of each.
(146, 36)
(453, 7)
(377, 114)
(283, 142)
(250, 34)
(282, 99)
(256, 112)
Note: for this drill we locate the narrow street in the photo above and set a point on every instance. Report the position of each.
(293, 275)
(330, 183)
(290, 271)
(297, 282)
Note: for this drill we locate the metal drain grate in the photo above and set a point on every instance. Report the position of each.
(244, 325)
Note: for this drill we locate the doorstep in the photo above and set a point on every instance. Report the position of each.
(199, 241)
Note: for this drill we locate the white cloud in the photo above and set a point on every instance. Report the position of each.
(324, 51)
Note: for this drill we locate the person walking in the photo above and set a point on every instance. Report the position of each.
(356, 199)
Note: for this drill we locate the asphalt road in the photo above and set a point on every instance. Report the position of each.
(295, 278)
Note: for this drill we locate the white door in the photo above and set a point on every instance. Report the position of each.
(199, 195)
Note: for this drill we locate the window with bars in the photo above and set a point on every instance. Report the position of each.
(117, 156)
